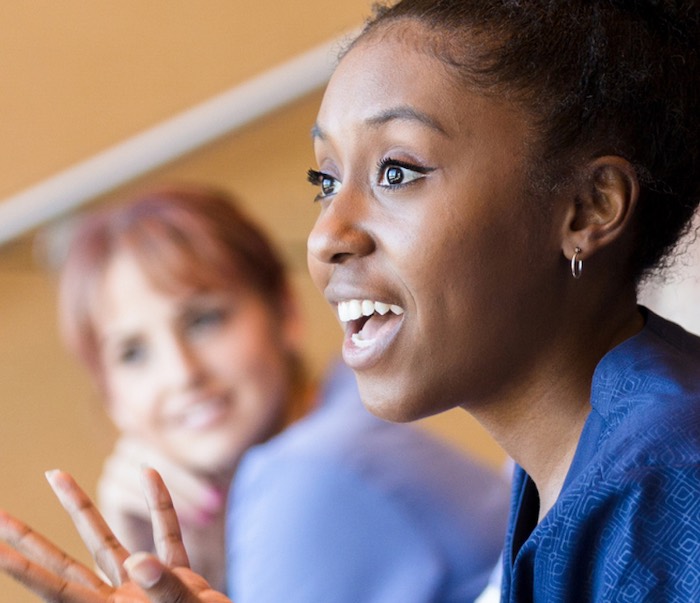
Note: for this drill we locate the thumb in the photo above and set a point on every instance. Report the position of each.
(160, 584)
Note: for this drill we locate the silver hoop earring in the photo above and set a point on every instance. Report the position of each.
(576, 264)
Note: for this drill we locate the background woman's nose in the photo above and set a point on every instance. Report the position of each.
(182, 365)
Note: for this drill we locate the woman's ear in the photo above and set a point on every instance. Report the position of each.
(602, 207)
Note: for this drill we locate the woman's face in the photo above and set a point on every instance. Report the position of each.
(201, 377)
(424, 207)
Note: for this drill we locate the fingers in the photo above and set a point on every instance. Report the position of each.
(34, 546)
(166, 528)
(163, 585)
(106, 550)
(44, 582)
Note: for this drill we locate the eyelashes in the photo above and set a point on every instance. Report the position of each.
(327, 183)
(388, 162)
(314, 177)
(392, 174)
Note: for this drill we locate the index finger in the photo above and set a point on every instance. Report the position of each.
(106, 550)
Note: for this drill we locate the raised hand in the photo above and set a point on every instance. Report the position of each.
(55, 576)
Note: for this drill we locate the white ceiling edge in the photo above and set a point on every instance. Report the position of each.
(168, 140)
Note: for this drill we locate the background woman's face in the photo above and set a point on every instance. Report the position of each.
(200, 376)
(425, 205)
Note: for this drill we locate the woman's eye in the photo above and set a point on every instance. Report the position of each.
(205, 319)
(131, 353)
(394, 173)
(327, 183)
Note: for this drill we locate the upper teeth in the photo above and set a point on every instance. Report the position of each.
(354, 308)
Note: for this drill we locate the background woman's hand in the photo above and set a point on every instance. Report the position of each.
(199, 505)
(52, 574)
(120, 493)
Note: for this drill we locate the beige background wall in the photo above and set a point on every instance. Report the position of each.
(79, 76)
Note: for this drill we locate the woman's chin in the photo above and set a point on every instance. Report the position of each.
(394, 409)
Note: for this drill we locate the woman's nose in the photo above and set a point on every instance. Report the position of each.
(340, 232)
(183, 365)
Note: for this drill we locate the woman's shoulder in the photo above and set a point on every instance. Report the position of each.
(654, 374)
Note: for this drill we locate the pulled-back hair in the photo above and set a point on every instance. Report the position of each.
(598, 77)
(186, 239)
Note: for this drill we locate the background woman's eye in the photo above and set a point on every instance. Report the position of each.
(205, 319)
(132, 353)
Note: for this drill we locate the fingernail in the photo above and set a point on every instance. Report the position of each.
(197, 518)
(214, 500)
(51, 477)
(143, 569)
(204, 519)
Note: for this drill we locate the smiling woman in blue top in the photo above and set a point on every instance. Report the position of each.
(506, 173)
(502, 174)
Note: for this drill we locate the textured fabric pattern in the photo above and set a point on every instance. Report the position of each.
(345, 508)
(626, 526)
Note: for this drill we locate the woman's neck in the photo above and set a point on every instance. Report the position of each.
(539, 423)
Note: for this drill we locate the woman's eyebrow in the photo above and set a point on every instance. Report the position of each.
(406, 113)
(391, 114)
(317, 132)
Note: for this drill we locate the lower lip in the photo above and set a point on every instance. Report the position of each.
(358, 358)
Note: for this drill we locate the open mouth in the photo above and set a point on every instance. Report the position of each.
(366, 320)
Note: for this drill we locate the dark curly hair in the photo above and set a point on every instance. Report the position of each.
(599, 77)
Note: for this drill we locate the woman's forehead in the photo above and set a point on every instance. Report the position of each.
(385, 79)
(390, 75)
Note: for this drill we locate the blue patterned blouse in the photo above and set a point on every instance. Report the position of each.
(626, 526)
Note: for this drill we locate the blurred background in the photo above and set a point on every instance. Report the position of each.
(83, 78)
